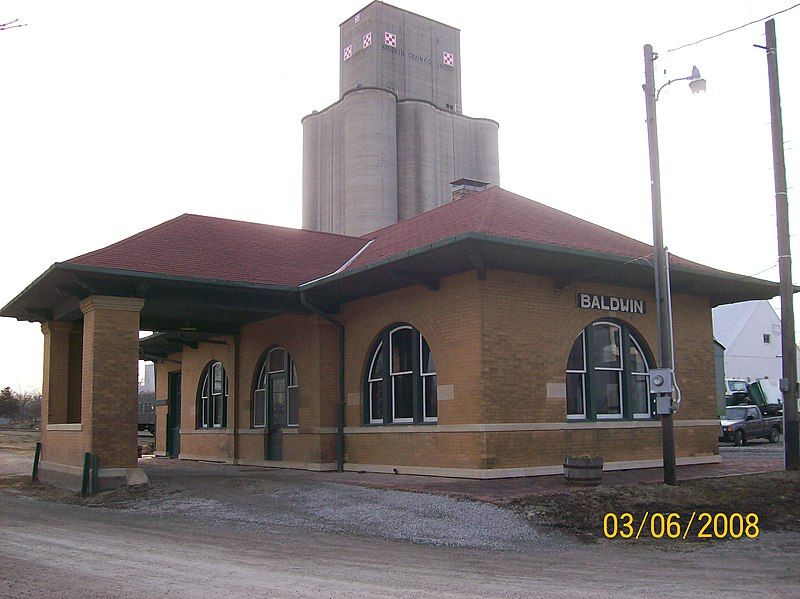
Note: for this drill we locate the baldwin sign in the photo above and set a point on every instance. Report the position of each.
(610, 303)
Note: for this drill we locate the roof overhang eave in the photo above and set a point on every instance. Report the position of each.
(756, 288)
(21, 309)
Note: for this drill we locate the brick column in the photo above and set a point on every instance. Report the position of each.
(109, 386)
(62, 442)
(55, 379)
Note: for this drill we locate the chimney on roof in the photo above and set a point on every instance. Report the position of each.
(466, 187)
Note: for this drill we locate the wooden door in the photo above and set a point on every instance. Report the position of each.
(277, 415)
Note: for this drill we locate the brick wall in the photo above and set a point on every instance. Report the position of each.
(502, 344)
(424, 449)
(211, 443)
(449, 320)
(75, 373)
(529, 330)
(313, 346)
(55, 378)
(110, 379)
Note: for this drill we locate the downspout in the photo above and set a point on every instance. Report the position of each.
(236, 398)
(340, 412)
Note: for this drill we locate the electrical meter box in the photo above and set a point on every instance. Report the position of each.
(660, 381)
(664, 405)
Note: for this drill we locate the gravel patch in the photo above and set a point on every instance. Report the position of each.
(346, 509)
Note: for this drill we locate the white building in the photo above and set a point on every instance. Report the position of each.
(751, 334)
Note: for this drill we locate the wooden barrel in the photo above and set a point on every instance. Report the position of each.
(583, 470)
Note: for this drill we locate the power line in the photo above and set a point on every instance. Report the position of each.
(711, 37)
(11, 25)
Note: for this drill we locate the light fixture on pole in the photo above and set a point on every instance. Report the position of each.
(696, 83)
(662, 378)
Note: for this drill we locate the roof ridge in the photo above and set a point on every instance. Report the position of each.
(373, 234)
(135, 236)
(470, 198)
(572, 216)
(128, 239)
(251, 222)
(606, 229)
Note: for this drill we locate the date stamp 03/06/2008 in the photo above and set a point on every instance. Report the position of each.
(699, 526)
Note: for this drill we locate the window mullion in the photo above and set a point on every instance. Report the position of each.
(627, 396)
(210, 403)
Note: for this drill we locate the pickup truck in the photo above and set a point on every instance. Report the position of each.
(763, 393)
(745, 422)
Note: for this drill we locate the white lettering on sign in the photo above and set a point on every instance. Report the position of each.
(610, 303)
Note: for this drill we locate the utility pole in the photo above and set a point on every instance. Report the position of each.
(791, 430)
(660, 254)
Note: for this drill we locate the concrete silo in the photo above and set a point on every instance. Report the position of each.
(391, 145)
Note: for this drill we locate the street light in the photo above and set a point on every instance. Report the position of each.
(665, 408)
(696, 83)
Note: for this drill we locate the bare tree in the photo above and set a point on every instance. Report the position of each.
(28, 405)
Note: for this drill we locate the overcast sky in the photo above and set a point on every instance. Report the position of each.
(117, 116)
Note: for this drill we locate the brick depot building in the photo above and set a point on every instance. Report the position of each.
(489, 337)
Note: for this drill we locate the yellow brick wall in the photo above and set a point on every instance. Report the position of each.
(529, 330)
(440, 450)
(312, 345)
(498, 342)
(109, 380)
(448, 319)
(214, 444)
(55, 378)
(75, 376)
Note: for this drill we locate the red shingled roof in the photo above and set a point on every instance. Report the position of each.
(500, 213)
(228, 250)
(216, 248)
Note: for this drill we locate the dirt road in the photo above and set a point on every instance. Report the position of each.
(209, 530)
(204, 530)
(56, 550)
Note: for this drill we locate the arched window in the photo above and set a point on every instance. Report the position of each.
(276, 398)
(607, 374)
(212, 400)
(401, 379)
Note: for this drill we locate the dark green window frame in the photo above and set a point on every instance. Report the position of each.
(413, 378)
(262, 394)
(212, 397)
(586, 375)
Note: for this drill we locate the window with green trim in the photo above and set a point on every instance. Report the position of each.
(400, 387)
(212, 397)
(276, 385)
(606, 374)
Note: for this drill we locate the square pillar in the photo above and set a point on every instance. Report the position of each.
(62, 442)
(55, 378)
(109, 386)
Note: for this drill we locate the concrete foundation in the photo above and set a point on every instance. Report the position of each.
(71, 477)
